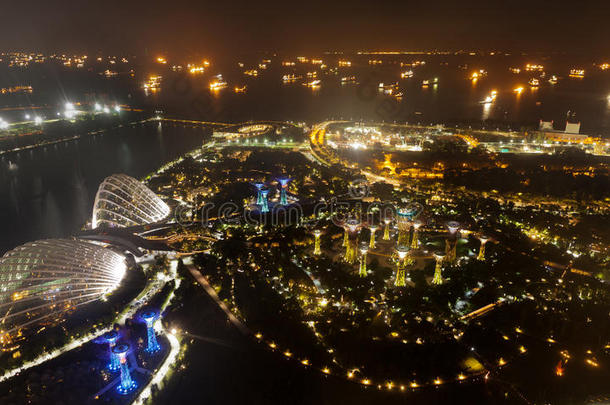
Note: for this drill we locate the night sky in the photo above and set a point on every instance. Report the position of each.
(183, 27)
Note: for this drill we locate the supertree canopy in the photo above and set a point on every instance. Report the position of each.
(149, 316)
(352, 227)
(284, 191)
(363, 253)
(111, 337)
(483, 239)
(127, 383)
(437, 279)
(401, 266)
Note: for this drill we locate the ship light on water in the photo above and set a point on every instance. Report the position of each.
(518, 90)
(407, 74)
(478, 75)
(491, 98)
(313, 84)
(577, 73)
(534, 82)
(530, 67)
(426, 83)
(218, 83)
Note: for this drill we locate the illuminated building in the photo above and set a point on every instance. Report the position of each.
(122, 201)
(437, 279)
(283, 191)
(373, 229)
(42, 280)
(414, 238)
(481, 255)
(363, 253)
(401, 266)
(127, 384)
(316, 249)
(150, 316)
(386, 229)
(264, 205)
(111, 337)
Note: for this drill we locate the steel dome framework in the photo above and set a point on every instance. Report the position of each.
(122, 201)
(41, 280)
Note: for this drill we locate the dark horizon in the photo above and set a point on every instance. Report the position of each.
(187, 27)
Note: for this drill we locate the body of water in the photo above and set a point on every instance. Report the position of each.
(49, 192)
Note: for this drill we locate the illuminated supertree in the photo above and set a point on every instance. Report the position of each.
(363, 253)
(373, 229)
(386, 229)
(283, 191)
(401, 266)
(316, 248)
(414, 238)
(352, 226)
(111, 337)
(438, 269)
(451, 241)
(127, 384)
(149, 316)
(481, 255)
(264, 205)
(404, 218)
(259, 196)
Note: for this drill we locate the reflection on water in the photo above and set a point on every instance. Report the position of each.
(48, 192)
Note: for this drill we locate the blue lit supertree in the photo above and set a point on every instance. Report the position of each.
(149, 316)
(127, 384)
(111, 337)
(283, 190)
(259, 197)
(264, 205)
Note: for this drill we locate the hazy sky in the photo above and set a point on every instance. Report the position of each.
(183, 26)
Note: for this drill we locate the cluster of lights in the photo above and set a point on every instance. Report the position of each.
(577, 73)
(218, 83)
(531, 67)
(491, 98)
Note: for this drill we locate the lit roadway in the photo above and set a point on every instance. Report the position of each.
(317, 144)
